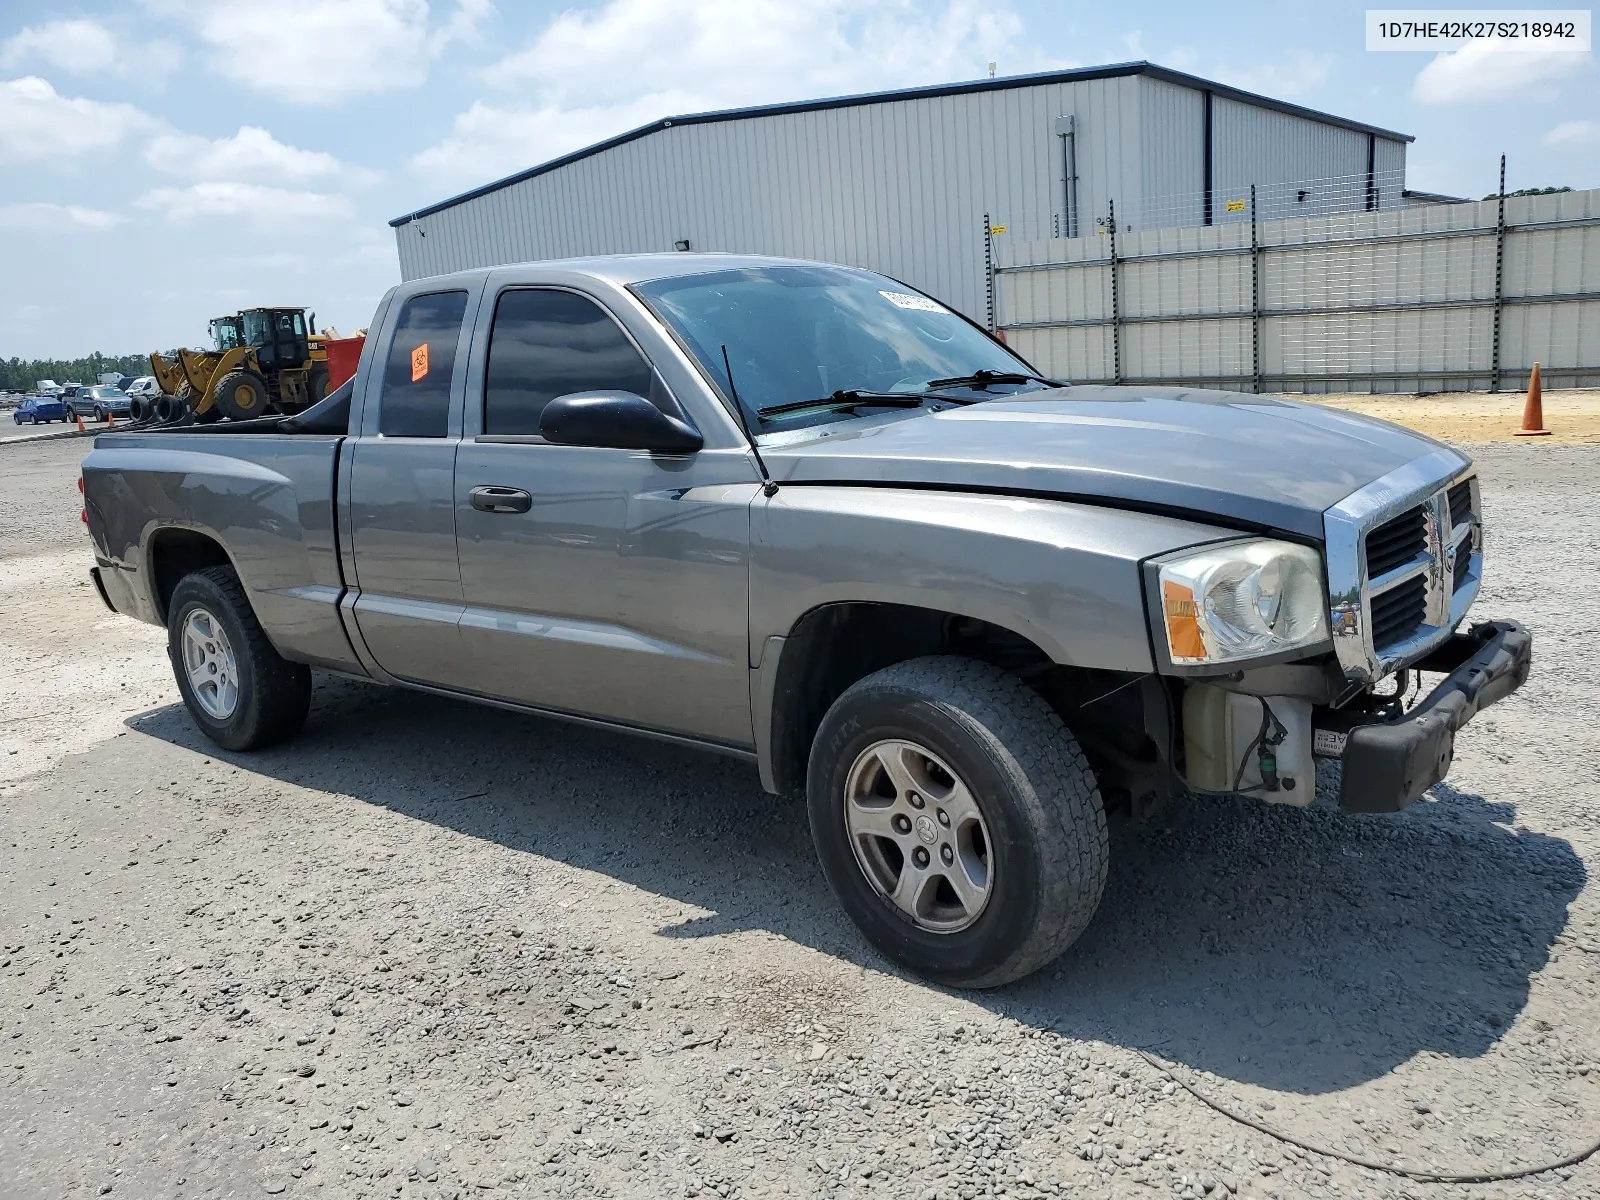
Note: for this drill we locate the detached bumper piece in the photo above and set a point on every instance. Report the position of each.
(1388, 765)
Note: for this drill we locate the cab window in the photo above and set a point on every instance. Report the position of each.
(546, 343)
(415, 400)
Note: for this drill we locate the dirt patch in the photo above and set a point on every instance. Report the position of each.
(1572, 415)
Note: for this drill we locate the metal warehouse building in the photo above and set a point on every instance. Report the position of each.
(911, 182)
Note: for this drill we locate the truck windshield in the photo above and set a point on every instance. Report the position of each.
(799, 333)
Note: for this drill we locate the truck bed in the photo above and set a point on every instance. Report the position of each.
(161, 502)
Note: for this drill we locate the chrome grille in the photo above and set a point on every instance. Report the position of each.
(1399, 612)
(1461, 571)
(1404, 559)
(1396, 542)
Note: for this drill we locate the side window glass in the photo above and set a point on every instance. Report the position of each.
(545, 344)
(415, 401)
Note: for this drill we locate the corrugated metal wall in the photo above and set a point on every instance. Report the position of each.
(1388, 301)
(1259, 146)
(897, 186)
(1174, 133)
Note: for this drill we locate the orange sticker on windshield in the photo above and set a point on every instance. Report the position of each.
(419, 362)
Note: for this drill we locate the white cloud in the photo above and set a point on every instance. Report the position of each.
(85, 47)
(593, 74)
(490, 140)
(252, 153)
(251, 202)
(57, 218)
(1574, 133)
(37, 122)
(1484, 71)
(325, 51)
(75, 45)
(1296, 73)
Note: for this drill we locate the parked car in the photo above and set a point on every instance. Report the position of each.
(99, 402)
(145, 386)
(40, 410)
(810, 517)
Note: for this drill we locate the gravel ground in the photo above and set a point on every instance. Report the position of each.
(429, 949)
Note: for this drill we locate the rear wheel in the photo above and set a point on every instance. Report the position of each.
(317, 384)
(242, 395)
(239, 690)
(957, 820)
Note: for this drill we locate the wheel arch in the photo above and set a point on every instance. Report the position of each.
(833, 645)
(173, 551)
(1121, 718)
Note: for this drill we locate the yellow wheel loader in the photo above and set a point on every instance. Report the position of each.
(263, 360)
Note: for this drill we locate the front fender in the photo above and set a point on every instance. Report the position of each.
(1063, 575)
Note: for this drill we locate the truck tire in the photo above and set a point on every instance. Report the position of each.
(242, 395)
(317, 385)
(240, 691)
(957, 820)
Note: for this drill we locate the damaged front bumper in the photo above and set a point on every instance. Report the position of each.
(1389, 764)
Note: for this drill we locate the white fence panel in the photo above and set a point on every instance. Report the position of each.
(1427, 298)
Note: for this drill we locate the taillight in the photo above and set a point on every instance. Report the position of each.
(80, 485)
(83, 513)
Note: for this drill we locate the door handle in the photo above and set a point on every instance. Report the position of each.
(491, 498)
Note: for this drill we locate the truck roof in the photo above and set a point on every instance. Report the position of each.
(636, 268)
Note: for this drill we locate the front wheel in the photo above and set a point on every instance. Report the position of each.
(239, 690)
(957, 820)
(242, 395)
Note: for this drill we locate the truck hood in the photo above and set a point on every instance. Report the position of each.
(1256, 461)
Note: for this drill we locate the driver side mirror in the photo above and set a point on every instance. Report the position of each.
(617, 420)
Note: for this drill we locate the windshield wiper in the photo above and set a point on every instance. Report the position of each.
(861, 397)
(981, 379)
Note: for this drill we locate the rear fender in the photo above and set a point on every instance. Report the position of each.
(267, 503)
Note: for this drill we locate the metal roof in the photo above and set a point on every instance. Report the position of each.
(630, 268)
(1007, 83)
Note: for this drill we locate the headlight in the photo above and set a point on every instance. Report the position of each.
(1242, 600)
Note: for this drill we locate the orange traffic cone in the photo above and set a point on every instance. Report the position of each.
(1533, 409)
(80, 423)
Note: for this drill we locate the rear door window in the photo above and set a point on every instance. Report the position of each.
(415, 401)
(547, 343)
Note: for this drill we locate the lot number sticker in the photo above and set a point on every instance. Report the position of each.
(419, 362)
(915, 303)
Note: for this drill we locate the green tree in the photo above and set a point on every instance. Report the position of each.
(19, 375)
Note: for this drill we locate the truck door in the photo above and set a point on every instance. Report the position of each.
(609, 583)
(401, 490)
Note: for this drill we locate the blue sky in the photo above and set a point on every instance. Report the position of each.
(162, 161)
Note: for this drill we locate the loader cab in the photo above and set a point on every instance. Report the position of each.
(278, 335)
(226, 333)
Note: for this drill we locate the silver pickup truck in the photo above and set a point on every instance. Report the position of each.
(810, 517)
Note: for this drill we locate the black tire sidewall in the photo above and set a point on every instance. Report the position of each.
(224, 400)
(196, 591)
(1008, 919)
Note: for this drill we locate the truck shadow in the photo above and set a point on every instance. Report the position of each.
(1297, 950)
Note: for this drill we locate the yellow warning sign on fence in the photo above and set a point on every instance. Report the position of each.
(996, 230)
(1235, 206)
